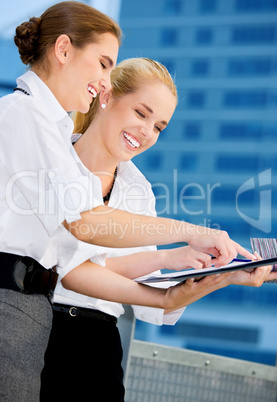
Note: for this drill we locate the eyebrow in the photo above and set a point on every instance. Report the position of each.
(151, 111)
(109, 60)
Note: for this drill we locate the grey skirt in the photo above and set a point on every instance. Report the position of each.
(25, 325)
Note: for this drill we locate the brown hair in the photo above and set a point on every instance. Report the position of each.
(82, 23)
(127, 77)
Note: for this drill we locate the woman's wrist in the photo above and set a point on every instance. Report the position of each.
(186, 230)
(161, 259)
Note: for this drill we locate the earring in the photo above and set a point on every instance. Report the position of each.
(103, 106)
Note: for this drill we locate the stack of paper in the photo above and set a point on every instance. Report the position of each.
(266, 248)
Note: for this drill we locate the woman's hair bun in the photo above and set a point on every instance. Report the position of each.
(26, 39)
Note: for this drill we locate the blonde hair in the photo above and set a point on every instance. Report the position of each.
(127, 77)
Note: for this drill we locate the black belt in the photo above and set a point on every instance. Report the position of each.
(83, 312)
(26, 275)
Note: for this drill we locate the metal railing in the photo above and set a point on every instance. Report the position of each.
(157, 373)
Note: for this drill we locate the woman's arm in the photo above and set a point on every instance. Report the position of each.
(110, 227)
(99, 282)
(142, 263)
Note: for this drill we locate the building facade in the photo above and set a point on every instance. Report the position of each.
(215, 164)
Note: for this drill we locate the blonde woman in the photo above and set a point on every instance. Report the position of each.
(84, 341)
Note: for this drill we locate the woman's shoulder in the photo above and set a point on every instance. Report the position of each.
(131, 173)
(19, 105)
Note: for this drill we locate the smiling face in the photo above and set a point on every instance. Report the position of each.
(132, 123)
(86, 72)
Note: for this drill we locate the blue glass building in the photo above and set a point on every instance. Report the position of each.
(215, 164)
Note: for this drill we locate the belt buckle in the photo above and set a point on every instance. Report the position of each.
(73, 311)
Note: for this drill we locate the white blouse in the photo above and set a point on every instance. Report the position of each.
(40, 183)
(133, 193)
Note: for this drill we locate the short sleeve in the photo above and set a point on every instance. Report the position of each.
(41, 171)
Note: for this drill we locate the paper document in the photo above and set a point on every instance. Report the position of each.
(181, 276)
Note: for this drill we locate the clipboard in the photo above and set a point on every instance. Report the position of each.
(181, 276)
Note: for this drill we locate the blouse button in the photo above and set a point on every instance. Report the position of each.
(142, 316)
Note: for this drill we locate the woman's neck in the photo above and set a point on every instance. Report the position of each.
(96, 158)
(93, 154)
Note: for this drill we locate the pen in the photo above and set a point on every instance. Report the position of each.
(238, 259)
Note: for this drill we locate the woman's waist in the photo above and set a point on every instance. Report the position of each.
(88, 303)
(81, 312)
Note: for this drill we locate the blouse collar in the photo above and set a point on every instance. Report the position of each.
(31, 82)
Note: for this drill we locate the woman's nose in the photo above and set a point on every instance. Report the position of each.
(146, 131)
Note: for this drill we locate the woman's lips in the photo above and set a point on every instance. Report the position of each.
(134, 142)
(93, 91)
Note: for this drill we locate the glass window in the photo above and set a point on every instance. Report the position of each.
(255, 5)
(234, 163)
(172, 7)
(200, 68)
(250, 67)
(245, 99)
(227, 195)
(196, 99)
(245, 35)
(199, 330)
(137, 9)
(243, 295)
(231, 226)
(188, 162)
(170, 65)
(154, 161)
(192, 131)
(207, 6)
(241, 131)
(270, 132)
(223, 194)
(169, 37)
(204, 36)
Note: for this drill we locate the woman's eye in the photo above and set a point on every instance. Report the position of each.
(140, 113)
(158, 129)
(103, 65)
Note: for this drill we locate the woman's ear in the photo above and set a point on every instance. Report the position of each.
(104, 98)
(62, 48)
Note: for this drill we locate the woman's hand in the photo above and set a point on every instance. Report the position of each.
(146, 262)
(216, 243)
(254, 278)
(185, 293)
(183, 258)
